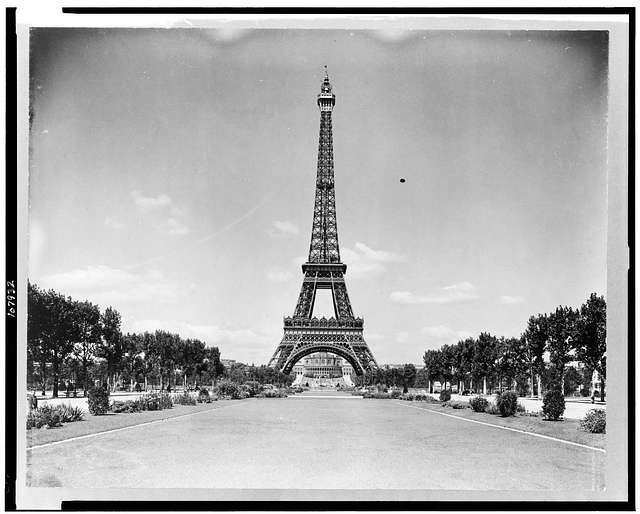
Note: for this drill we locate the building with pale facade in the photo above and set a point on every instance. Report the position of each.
(322, 365)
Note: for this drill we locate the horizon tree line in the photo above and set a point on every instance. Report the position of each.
(72, 342)
(536, 361)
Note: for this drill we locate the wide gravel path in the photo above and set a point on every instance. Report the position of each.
(317, 443)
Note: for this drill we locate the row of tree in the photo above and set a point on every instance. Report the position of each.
(73, 343)
(537, 360)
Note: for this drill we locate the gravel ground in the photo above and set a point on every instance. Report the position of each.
(318, 443)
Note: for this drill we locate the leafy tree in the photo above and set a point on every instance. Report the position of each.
(62, 333)
(432, 363)
(110, 347)
(590, 341)
(512, 364)
(132, 364)
(484, 359)
(422, 379)
(448, 361)
(572, 379)
(562, 324)
(409, 376)
(39, 326)
(535, 342)
(87, 319)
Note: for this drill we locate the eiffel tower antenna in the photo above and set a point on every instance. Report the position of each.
(342, 334)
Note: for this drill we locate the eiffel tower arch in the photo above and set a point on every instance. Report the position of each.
(341, 334)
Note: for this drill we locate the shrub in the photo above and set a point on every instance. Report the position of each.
(507, 403)
(152, 401)
(408, 397)
(184, 399)
(458, 405)
(227, 389)
(396, 393)
(204, 396)
(253, 388)
(445, 395)
(478, 404)
(272, 393)
(492, 408)
(128, 406)
(137, 388)
(69, 414)
(166, 402)
(98, 401)
(553, 405)
(594, 421)
(45, 416)
(377, 396)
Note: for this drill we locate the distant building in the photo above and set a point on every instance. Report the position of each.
(400, 366)
(322, 365)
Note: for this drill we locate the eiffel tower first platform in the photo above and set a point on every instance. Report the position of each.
(342, 334)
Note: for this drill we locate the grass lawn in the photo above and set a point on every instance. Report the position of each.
(566, 429)
(94, 424)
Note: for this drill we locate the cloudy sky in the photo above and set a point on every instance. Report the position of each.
(172, 177)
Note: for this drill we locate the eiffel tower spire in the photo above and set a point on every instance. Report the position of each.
(342, 334)
(324, 233)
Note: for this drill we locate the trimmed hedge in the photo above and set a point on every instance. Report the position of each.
(98, 399)
(478, 404)
(272, 393)
(507, 403)
(205, 397)
(553, 405)
(445, 395)
(594, 421)
(228, 389)
(184, 399)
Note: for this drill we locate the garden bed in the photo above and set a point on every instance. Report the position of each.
(567, 429)
(110, 421)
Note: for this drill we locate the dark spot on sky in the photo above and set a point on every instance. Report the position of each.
(402, 180)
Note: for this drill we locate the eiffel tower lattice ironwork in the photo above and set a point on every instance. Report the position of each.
(342, 334)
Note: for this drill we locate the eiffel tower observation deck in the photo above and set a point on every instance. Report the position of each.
(341, 334)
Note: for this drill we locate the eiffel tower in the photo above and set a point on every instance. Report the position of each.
(342, 334)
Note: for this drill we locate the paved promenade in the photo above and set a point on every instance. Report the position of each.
(318, 443)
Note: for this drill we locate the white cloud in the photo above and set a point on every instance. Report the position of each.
(281, 229)
(461, 292)
(364, 260)
(442, 334)
(147, 203)
(166, 213)
(244, 344)
(110, 286)
(176, 228)
(113, 223)
(279, 276)
(511, 300)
